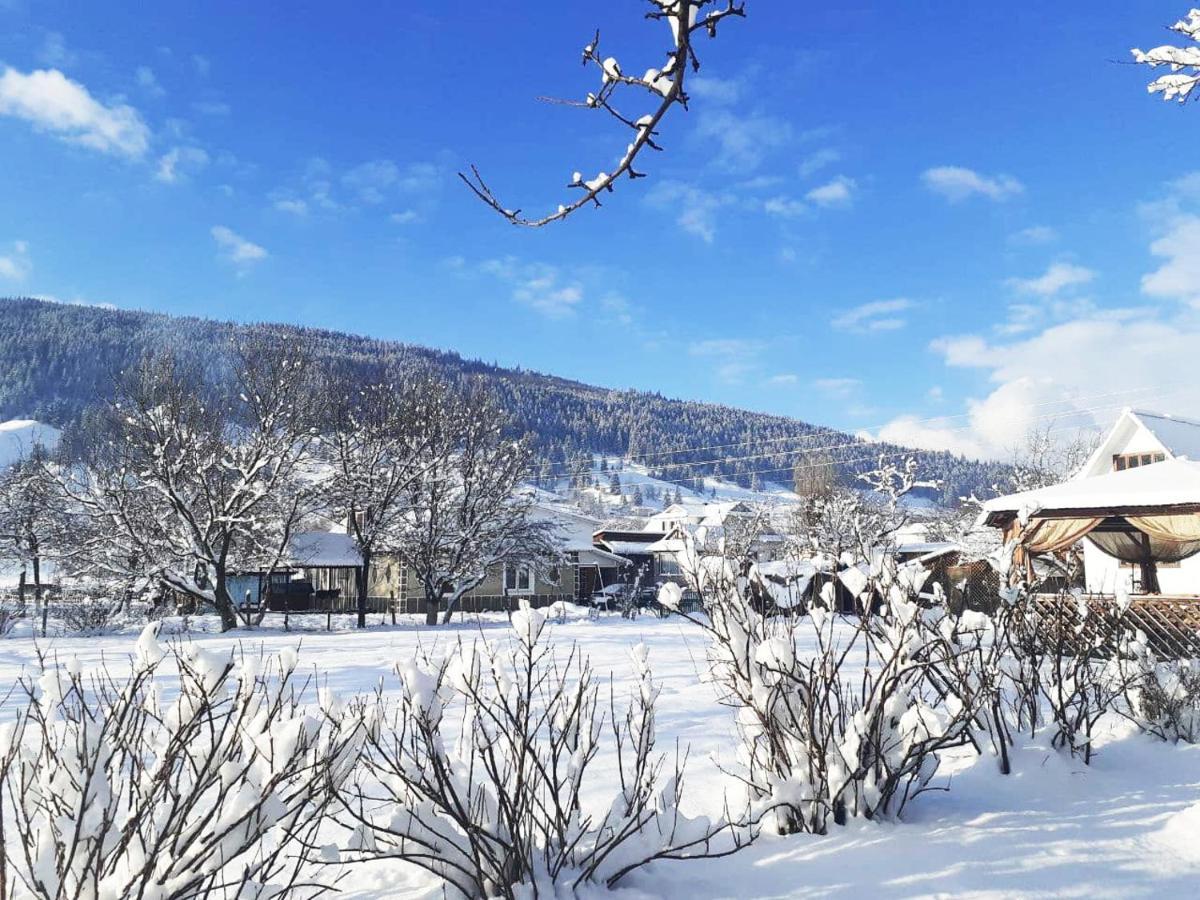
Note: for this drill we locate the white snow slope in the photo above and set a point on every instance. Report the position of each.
(1127, 826)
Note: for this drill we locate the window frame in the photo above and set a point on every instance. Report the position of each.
(1123, 462)
(519, 571)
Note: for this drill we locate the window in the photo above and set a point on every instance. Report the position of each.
(668, 564)
(518, 579)
(1123, 461)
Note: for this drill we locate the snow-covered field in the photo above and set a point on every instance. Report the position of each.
(1129, 825)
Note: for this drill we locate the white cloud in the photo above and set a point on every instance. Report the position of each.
(725, 347)
(405, 217)
(292, 206)
(818, 160)
(201, 64)
(742, 140)
(879, 315)
(1072, 374)
(696, 209)
(722, 91)
(235, 249)
(837, 387)
(1179, 276)
(54, 52)
(178, 162)
(15, 264)
(1034, 235)
(785, 379)
(956, 183)
(51, 102)
(785, 207)
(148, 81)
(838, 192)
(546, 289)
(1056, 279)
(372, 182)
(211, 107)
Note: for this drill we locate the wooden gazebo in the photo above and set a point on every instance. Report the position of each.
(1145, 517)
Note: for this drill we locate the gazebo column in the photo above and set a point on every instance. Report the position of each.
(1149, 568)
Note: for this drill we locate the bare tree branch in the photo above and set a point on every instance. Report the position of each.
(685, 18)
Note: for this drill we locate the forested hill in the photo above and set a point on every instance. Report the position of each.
(58, 361)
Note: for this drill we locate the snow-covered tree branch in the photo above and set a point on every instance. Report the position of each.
(1184, 62)
(663, 86)
(467, 514)
(192, 483)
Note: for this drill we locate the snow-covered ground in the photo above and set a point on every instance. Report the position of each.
(634, 474)
(1127, 826)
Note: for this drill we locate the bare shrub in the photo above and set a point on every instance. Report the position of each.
(1161, 696)
(495, 804)
(111, 789)
(88, 616)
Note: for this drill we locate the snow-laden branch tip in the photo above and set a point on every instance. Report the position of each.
(1184, 62)
(665, 86)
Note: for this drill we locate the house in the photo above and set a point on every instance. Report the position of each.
(1134, 505)
(330, 563)
(1140, 438)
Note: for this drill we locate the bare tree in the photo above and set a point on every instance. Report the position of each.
(29, 515)
(466, 513)
(196, 482)
(1184, 62)
(815, 478)
(378, 445)
(665, 86)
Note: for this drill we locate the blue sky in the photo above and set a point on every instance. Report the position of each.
(936, 222)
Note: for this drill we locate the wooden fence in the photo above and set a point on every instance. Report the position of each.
(1171, 624)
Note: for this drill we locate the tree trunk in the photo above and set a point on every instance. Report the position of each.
(37, 579)
(431, 604)
(224, 603)
(362, 579)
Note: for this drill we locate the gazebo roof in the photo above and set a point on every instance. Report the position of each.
(1170, 485)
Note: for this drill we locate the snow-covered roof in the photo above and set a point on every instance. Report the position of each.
(574, 529)
(594, 556)
(1175, 482)
(1181, 437)
(667, 545)
(324, 550)
(1142, 431)
(627, 548)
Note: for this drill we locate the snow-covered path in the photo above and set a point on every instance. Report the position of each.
(1129, 825)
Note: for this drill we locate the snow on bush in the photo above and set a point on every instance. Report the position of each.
(479, 773)
(823, 740)
(1162, 696)
(194, 776)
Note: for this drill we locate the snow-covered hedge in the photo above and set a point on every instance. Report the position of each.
(194, 776)
(481, 773)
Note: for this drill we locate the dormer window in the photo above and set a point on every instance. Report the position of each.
(1123, 461)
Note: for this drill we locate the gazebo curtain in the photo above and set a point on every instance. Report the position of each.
(1168, 528)
(1157, 539)
(1054, 535)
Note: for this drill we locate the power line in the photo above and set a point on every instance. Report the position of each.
(929, 420)
(805, 451)
(636, 478)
